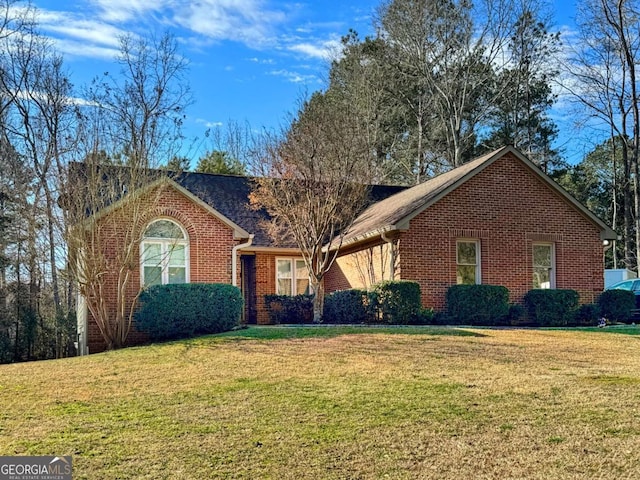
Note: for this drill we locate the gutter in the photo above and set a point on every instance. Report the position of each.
(234, 259)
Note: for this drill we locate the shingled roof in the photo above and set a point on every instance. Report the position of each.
(229, 196)
(396, 211)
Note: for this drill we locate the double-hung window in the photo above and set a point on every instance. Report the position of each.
(468, 262)
(543, 265)
(164, 253)
(292, 276)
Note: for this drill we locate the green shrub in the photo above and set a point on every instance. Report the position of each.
(184, 310)
(346, 306)
(617, 305)
(551, 308)
(426, 316)
(477, 304)
(587, 315)
(395, 302)
(289, 309)
(516, 315)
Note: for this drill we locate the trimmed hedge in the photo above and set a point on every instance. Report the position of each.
(477, 305)
(178, 311)
(346, 306)
(397, 302)
(551, 308)
(287, 309)
(617, 305)
(587, 315)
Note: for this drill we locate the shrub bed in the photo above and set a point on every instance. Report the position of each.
(346, 306)
(179, 311)
(397, 302)
(477, 305)
(287, 309)
(551, 308)
(617, 305)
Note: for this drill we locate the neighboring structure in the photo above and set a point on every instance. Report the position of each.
(496, 220)
(616, 275)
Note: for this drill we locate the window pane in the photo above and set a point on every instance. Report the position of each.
(151, 253)
(177, 275)
(284, 269)
(542, 256)
(302, 278)
(541, 277)
(283, 286)
(164, 229)
(152, 276)
(302, 286)
(177, 256)
(466, 274)
(467, 253)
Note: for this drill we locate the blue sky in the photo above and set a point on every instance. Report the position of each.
(250, 60)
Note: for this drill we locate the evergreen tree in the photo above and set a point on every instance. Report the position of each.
(520, 116)
(221, 163)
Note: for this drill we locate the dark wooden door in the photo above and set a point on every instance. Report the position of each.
(249, 288)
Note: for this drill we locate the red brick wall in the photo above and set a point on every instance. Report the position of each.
(507, 208)
(265, 283)
(210, 249)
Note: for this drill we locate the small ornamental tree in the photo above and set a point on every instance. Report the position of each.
(313, 181)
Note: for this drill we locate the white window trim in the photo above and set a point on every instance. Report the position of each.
(164, 243)
(294, 282)
(478, 263)
(552, 276)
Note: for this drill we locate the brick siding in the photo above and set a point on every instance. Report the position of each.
(210, 250)
(507, 208)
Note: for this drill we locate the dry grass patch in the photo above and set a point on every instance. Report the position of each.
(495, 404)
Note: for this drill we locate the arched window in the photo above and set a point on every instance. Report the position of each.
(164, 253)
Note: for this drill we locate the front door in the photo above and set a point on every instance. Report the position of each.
(248, 272)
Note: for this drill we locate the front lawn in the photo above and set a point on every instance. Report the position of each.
(332, 403)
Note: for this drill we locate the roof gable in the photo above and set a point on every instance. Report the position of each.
(395, 212)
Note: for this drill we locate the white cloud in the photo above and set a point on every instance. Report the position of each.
(246, 21)
(208, 123)
(83, 49)
(323, 50)
(127, 10)
(77, 36)
(295, 77)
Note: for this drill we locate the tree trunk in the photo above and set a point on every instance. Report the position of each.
(318, 300)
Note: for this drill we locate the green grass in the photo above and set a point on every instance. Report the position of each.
(335, 403)
(619, 329)
(279, 333)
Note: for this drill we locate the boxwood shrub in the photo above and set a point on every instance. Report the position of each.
(184, 310)
(587, 315)
(617, 305)
(396, 302)
(477, 305)
(346, 306)
(289, 309)
(551, 308)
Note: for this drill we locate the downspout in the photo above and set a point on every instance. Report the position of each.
(392, 267)
(234, 259)
(606, 245)
(82, 315)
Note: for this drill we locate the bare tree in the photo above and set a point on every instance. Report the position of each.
(443, 59)
(108, 208)
(144, 105)
(314, 183)
(604, 81)
(131, 124)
